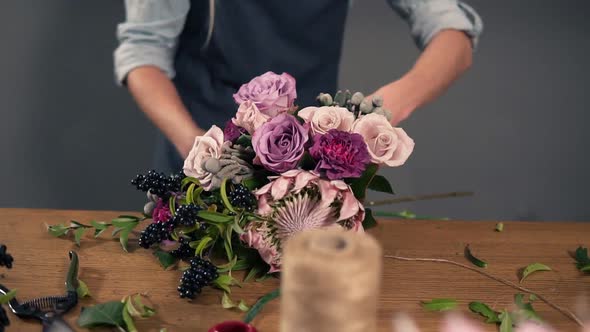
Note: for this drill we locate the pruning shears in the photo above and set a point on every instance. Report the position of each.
(49, 309)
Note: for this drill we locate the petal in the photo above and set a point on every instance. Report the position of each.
(307, 113)
(303, 179)
(327, 191)
(280, 188)
(350, 206)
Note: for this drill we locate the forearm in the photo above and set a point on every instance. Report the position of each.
(157, 97)
(446, 57)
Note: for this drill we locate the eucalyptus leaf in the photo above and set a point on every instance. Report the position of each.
(5, 298)
(82, 289)
(440, 304)
(257, 307)
(215, 217)
(369, 221)
(506, 322)
(484, 310)
(58, 230)
(381, 184)
(499, 227)
(165, 258)
(109, 313)
(532, 268)
(476, 261)
(78, 235)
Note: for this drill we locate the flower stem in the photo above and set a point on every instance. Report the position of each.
(562, 310)
(405, 199)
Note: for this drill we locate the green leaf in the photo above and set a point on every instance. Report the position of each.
(257, 307)
(359, 185)
(254, 271)
(58, 230)
(531, 268)
(244, 140)
(165, 258)
(224, 198)
(506, 322)
(5, 298)
(135, 307)
(201, 245)
(99, 227)
(476, 261)
(188, 180)
(124, 237)
(189, 193)
(82, 289)
(381, 184)
(227, 242)
(440, 304)
(172, 204)
(124, 223)
(484, 310)
(215, 217)
(581, 256)
(369, 221)
(129, 323)
(533, 297)
(78, 235)
(228, 266)
(243, 306)
(76, 224)
(526, 310)
(226, 301)
(255, 182)
(109, 313)
(499, 227)
(225, 281)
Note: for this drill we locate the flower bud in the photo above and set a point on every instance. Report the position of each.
(148, 208)
(377, 101)
(325, 99)
(357, 98)
(340, 98)
(366, 107)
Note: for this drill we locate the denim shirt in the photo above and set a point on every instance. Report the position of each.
(150, 34)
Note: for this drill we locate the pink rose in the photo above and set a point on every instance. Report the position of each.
(324, 118)
(205, 147)
(270, 92)
(249, 117)
(387, 145)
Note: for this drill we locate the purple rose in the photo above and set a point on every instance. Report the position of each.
(231, 132)
(279, 144)
(340, 154)
(270, 92)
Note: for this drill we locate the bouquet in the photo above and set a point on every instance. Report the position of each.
(274, 170)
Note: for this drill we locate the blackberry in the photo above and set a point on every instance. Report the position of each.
(200, 274)
(241, 197)
(5, 258)
(158, 184)
(3, 319)
(186, 215)
(184, 251)
(154, 233)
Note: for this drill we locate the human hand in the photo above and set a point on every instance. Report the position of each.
(185, 143)
(398, 98)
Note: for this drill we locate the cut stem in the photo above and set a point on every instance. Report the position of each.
(562, 310)
(405, 199)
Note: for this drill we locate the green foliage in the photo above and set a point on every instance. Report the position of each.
(439, 304)
(525, 310)
(370, 220)
(257, 307)
(381, 184)
(165, 258)
(359, 185)
(103, 314)
(505, 322)
(532, 268)
(82, 289)
(123, 225)
(228, 303)
(474, 260)
(582, 260)
(484, 310)
(5, 298)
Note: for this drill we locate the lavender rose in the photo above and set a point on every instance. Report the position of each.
(340, 154)
(270, 92)
(279, 143)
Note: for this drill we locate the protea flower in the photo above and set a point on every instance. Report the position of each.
(296, 201)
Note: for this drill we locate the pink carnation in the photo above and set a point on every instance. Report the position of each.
(295, 201)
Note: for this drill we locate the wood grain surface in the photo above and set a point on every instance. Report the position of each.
(41, 262)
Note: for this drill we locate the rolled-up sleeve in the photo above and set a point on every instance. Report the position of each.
(149, 35)
(428, 17)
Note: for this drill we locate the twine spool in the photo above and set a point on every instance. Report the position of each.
(330, 282)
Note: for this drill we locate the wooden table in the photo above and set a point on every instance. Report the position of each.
(41, 262)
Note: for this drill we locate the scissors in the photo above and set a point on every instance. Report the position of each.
(49, 309)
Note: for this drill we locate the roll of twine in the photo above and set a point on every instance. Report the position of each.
(330, 282)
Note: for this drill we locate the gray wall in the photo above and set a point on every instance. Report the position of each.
(513, 129)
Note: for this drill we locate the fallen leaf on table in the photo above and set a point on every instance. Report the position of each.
(439, 304)
(476, 261)
(532, 268)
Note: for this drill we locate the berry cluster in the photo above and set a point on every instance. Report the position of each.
(241, 197)
(153, 234)
(186, 215)
(5, 258)
(158, 183)
(184, 251)
(200, 274)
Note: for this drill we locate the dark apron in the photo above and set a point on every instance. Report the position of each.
(251, 37)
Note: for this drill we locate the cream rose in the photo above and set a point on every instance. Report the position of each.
(249, 117)
(387, 145)
(324, 118)
(205, 147)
